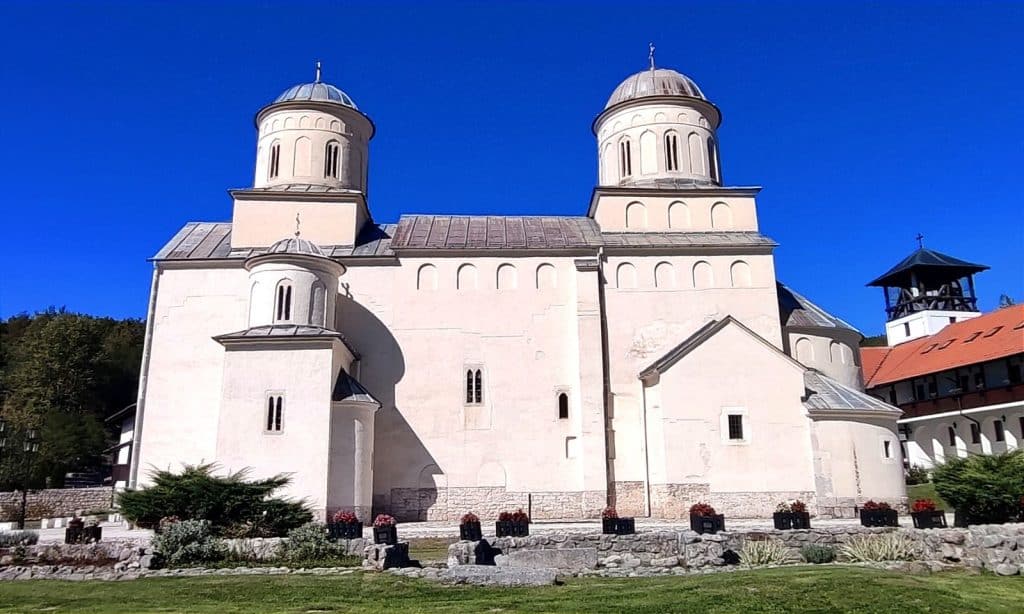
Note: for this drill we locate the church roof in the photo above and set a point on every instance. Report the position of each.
(658, 82)
(212, 241)
(495, 232)
(826, 394)
(798, 312)
(926, 262)
(323, 92)
(686, 239)
(348, 388)
(285, 332)
(296, 245)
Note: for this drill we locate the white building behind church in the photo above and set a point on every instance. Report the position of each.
(642, 354)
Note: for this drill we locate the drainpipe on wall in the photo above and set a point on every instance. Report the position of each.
(140, 403)
(647, 461)
(606, 379)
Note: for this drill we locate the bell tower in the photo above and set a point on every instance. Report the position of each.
(926, 291)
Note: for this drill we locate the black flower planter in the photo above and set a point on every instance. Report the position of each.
(707, 524)
(625, 526)
(345, 530)
(609, 526)
(785, 521)
(470, 531)
(74, 534)
(931, 519)
(385, 535)
(512, 528)
(878, 518)
(92, 534)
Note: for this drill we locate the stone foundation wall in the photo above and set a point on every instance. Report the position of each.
(412, 504)
(999, 548)
(847, 507)
(629, 498)
(674, 500)
(54, 502)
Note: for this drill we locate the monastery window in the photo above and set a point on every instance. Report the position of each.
(975, 433)
(275, 413)
(678, 215)
(1000, 431)
(317, 307)
(625, 276)
(426, 277)
(804, 350)
(671, 151)
(283, 307)
(664, 275)
(713, 160)
(721, 216)
(474, 386)
(739, 274)
(886, 448)
(735, 427)
(906, 329)
(835, 352)
(571, 445)
(696, 155)
(951, 435)
(275, 160)
(563, 406)
(703, 275)
(332, 158)
(506, 278)
(625, 159)
(608, 165)
(648, 153)
(546, 278)
(636, 215)
(466, 277)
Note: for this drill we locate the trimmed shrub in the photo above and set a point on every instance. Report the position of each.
(765, 552)
(816, 554)
(874, 548)
(232, 504)
(188, 542)
(916, 474)
(310, 546)
(982, 488)
(13, 539)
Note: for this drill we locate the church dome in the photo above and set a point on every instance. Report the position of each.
(295, 245)
(316, 91)
(658, 82)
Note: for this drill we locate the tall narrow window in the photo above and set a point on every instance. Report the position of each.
(713, 160)
(887, 449)
(975, 434)
(951, 433)
(469, 386)
(283, 308)
(474, 387)
(735, 427)
(563, 406)
(906, 329)
(999, 431)
(625, 159)
(671, 151)
(275, 160)
(275, 413)
(332, 156)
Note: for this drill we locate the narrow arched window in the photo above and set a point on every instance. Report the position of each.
(713, 160)
(283, 307)
(478, 389)
(474, 386)
(625, 159)
(563, 406)
(275, 160)
(671, 151)
(275, 413)
(332, 157)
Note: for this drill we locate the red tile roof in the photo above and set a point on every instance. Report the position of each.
(997, 334)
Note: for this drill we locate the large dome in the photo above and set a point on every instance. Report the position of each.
(317, 91)
(658, 82)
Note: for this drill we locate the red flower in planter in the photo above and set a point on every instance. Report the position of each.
(384, 520)
(923, 505)
(609, 512)
(469, 517)
(702, 509)
(798, 507)
(520, 516)
(343, 517)
(872, 506)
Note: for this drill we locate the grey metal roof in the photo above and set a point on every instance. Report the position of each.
(479, 232)
(212, 241)
(686, 239)
(324, 92)
(348, 388)
(925, 265)
(309, 188)
(668, 183)
(296, 245)
(797, 311)
(825, 393)
(285, 332)
(658, 82)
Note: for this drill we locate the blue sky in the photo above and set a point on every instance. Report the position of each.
(865, 123)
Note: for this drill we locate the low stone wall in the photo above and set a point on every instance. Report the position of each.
(123, 554)
(413, 504)
(999, 548)
(54, 502)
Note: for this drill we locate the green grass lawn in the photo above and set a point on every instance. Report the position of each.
(927, 491)
(791, 589)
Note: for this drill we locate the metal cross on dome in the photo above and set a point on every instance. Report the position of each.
(318, 71)
(920, 240)
(297, 222)
(650, 55)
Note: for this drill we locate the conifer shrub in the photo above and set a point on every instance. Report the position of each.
(233, 505)
(982, 488)
(13, 539)
(814, 553)
(189, 542)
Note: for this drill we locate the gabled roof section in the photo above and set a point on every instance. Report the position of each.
(798, 312)
(492, 232)
(348, 388)
(926, 262)
(695, 340)
(212, 241)
(687, 239)
(284, 333)
(826, 394)
(994, 335)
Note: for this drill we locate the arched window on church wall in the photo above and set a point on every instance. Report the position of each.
(721, 216)
(466, 277)
(625, 276)
(283, 302)
(546, 277)
(671, 151)
(426, 277)
(713, 160)
(275, 160)
(636, 216)
(506, 277)
(804, 350)
(678, 215)
(739, 274)
(664, 275)
(703, 275)
(625, 159)
(332, 159)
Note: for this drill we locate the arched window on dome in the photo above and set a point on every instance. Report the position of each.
(713, 160)
(275, 160)
(332, 157)
(317, 305)
(671, 151)
(696, 155)
(283, 302)
(625, 159)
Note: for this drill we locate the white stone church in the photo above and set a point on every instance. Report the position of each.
(641, 354)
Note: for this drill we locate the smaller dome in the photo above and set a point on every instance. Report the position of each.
(323, 92)
(295, 245)
(658, 82)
